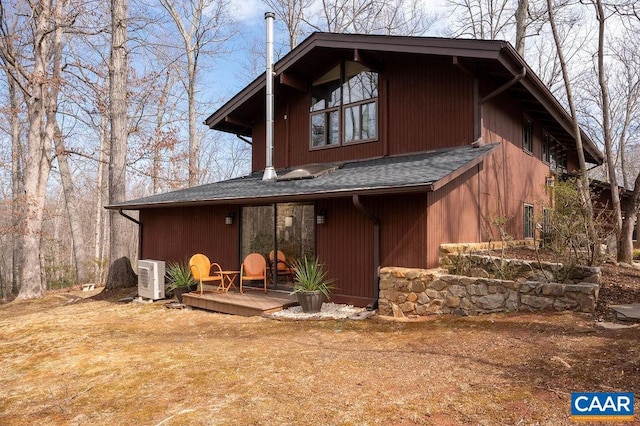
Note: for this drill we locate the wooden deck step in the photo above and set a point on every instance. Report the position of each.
(249, 303)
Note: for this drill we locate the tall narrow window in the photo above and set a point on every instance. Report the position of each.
(344, 106)
(546, 146)
(528, 221)
(325, 109)
(546, 226)
(553, 153)
(527, 134)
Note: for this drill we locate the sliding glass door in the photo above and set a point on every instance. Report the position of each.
(288, 228)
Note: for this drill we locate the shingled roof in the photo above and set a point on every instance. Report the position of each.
(426, 171)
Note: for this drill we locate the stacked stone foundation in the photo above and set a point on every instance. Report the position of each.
(419, 292)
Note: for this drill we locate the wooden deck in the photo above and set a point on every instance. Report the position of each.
(249, 303)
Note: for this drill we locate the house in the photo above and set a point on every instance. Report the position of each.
(384, 147)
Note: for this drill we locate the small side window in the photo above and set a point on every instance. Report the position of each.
(527, 134)
(546, 227)
(546, 147)
(528, 221)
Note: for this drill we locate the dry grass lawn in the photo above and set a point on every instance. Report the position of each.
(67, 361)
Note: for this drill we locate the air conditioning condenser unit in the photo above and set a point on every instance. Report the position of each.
(151, 279)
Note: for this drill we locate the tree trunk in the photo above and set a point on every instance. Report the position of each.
(17, 185)
(80, 260)
(54, 134)
(625, 247)
(38, 163)
(638, 230)
(521, 25)
(194, 143)
(606, 127)
(583, 181)
(100, 213)
(118, 114)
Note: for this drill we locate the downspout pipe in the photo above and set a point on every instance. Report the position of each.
(137, 222)
(376, 250)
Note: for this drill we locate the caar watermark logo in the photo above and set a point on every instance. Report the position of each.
(602, 406)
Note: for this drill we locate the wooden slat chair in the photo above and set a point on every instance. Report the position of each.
(254, 268)
(205, 271)
(283, 268)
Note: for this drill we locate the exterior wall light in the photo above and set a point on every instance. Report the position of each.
(321, 217)
(228, 219)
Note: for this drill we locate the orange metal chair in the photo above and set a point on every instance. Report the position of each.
(283, 268)
(201, 269)
(254, 268)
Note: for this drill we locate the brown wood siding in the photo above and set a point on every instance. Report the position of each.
(403, 228)
(453, 214)
(174, 234)
(258, 151)
(345, 242)
(511, 176)
(345, 245)
(423, 104)
(430, 105)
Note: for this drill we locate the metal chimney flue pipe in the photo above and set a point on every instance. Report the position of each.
(269, 171)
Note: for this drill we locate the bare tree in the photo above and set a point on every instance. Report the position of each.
(521, 25)
(87, 93)
(54, 134)
(17, 182)
(482, 19)
(583, 180)
(628, 122)
(394, 17)
(118, 143)
(292, 13)
(202, 24)
(34, 75)
(601, 16)
(612, 107)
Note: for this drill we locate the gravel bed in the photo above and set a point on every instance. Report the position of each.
(329, 311)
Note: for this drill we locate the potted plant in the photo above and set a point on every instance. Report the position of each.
(180, 279)
(311, 285)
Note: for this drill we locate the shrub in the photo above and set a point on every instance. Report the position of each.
(567, 229)
(458, 264)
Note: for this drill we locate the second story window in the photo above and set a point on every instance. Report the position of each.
(547, 141)
(553, 153)
(344, 106)
(527, 134)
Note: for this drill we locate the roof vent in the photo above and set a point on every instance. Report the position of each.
(309, 171)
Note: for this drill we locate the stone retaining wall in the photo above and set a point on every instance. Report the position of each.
(484, 266)
(409, 292)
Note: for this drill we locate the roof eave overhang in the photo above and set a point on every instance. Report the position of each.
(481, 49)
(512, 61)
(422, 187)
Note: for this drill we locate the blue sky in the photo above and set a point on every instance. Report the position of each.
(234, 71)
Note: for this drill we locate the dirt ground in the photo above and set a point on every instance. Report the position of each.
(72, 360)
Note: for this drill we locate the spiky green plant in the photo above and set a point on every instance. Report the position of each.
(179, 275)
(311, 276)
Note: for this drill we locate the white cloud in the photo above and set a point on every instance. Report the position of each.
(244, 11)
